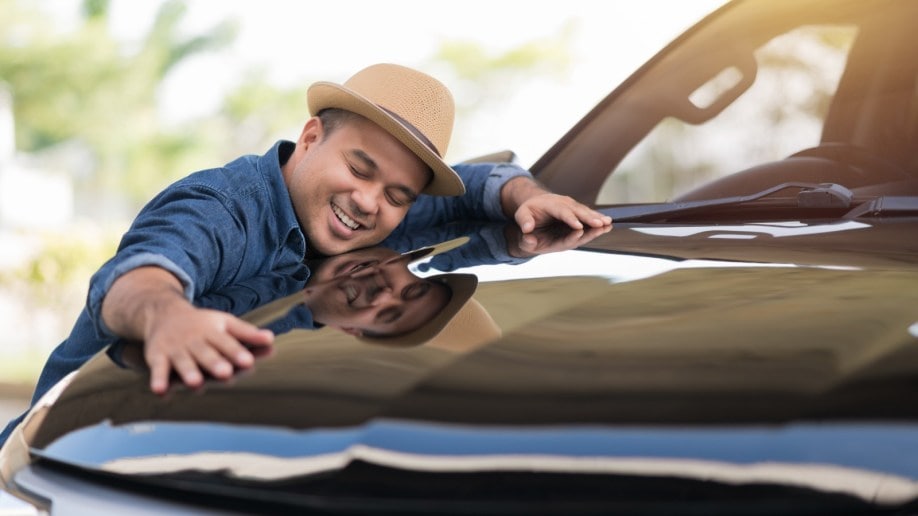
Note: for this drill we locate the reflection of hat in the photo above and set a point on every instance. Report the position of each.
(471, 327)
(433, 250)
(413, 107)
(461, 286)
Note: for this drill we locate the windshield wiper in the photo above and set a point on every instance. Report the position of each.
(812, 195)
(886, 205)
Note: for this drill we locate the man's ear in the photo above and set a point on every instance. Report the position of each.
(312, 132)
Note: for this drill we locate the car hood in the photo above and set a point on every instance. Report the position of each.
(769, 353)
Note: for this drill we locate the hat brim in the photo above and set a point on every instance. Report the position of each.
(324, 95)
(430, 251)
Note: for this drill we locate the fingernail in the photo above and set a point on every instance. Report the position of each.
(223, 369)
(244, 358)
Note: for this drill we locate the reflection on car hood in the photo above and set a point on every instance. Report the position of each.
(778, 353)
(749, 454)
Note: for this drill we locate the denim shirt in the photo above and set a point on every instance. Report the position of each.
(211, 229)
(221, 227)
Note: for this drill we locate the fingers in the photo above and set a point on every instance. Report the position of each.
(160, 368)
(576, 215)
(241, 331)
(163, 361)
(550, 239)
(569, 217)
(572, 239)
(215, 349)
(593, 218)
(593, 232)
(547, 208)
(525, 219)
(529, 244)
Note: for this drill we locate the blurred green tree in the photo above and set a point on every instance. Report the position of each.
(488, 79)
(82, 86)
(85, 86)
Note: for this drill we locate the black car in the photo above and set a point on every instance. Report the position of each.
(744, 341)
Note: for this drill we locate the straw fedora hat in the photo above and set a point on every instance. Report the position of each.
(415, 108)
(469, 329)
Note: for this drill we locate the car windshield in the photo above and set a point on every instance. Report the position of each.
(796, 75)
(763, 94)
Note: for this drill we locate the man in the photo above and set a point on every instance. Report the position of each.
(372, 146)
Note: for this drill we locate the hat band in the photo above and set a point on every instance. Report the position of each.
(414, 130)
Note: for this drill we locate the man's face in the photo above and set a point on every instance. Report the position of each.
(353, 187)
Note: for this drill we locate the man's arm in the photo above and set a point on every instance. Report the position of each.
(499, 192)
(187, 241)
(148, 304)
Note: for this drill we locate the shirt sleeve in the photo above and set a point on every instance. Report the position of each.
(187, 230)
(481, 201)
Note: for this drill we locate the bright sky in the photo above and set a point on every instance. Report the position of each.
(300, 42)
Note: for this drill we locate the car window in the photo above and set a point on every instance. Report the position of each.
(797, 75)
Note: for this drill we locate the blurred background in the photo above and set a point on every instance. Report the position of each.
(105, 102)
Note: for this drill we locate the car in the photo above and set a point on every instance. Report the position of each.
(743, 341)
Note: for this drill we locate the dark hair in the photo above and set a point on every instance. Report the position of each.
(333, 118)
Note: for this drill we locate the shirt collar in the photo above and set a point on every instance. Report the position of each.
(269, 166)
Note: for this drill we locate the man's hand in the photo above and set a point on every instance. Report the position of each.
(147, 304)
(191, 340)
(532, 206)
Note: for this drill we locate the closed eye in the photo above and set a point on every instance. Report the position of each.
(399, 197)
(357, 172)
(415, 290)
(389, 315)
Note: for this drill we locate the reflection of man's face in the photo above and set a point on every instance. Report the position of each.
(375, 296)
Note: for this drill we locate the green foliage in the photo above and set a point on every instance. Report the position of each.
(550, 54)
(83, 85)
(256, 112)
(86, 86)
(491, 79)
(62, 261)
(21, 369)
(95, 8)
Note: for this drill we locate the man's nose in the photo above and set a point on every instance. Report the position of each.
(366, 199)
(381, 294)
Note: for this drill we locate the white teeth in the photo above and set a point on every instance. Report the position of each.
(350, 293)
(349, 222)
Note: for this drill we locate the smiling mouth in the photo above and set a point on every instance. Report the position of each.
(347, 221)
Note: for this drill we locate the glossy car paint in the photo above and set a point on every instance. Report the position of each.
(659, 351)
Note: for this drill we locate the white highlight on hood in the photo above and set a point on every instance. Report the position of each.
(775, 229)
